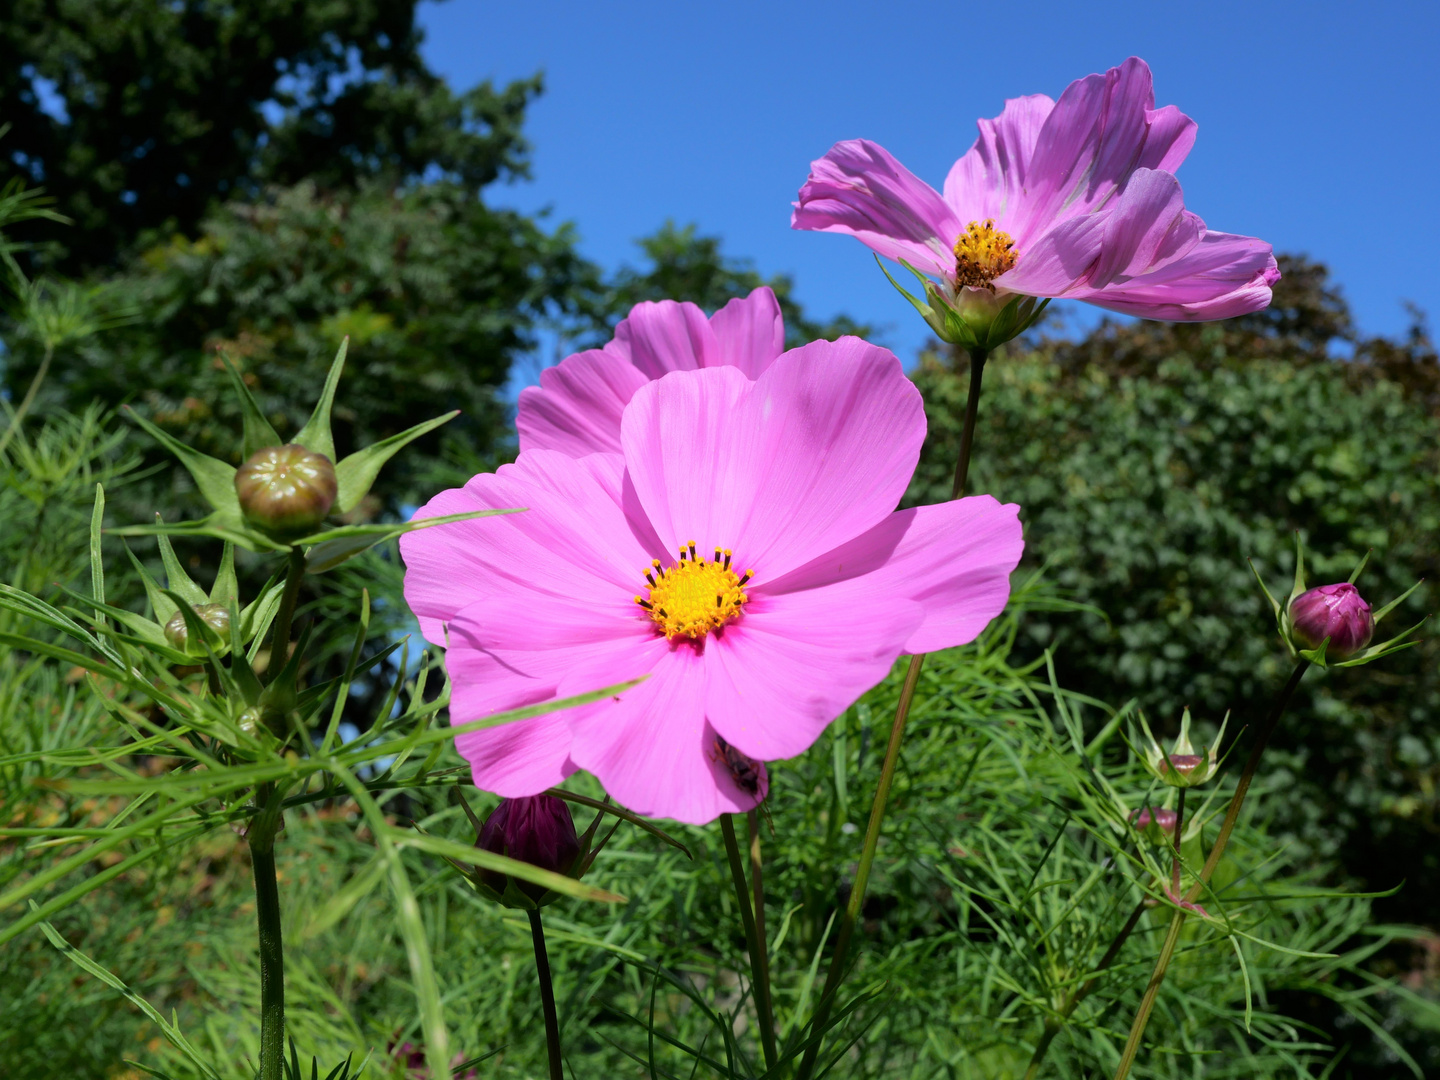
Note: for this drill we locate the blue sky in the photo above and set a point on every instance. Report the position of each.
(1318, 121)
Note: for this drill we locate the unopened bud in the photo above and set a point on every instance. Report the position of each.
(536, 829)
(1337, 612)
(286, 490)
(215, 616)
(1156, 823)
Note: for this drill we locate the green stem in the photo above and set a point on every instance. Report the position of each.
(280, 636)
(261, 838)
(547, 996)
(29, 398)
(1055, 1024)
(757, 883)
(759, 976)
(967, 431)
(892, 755)
(1179, 825)
(1177, 920)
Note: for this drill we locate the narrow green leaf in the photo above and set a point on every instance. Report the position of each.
(336, 546)
(357, 473)
(214, 478)
(316, 435)
(468, 853)
(214, 526)
(97, 562)
(1299, 567)
(162, 605)
(1397, 602)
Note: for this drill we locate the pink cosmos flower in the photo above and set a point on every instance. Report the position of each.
(577, 406)
(742, 550)
(1073, 198)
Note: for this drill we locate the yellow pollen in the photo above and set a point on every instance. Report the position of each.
(983, 253)
(695, 595)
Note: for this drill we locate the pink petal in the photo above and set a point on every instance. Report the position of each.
(654, 751)
(859, 189)
(797, 660)
(573, 541)
(750, 332)
(1101, 130)
(511, 651)
(1223, 276)
(577, 406)
(1147, 228)
(1056, 263)
(989, 181)
(953, 560)
(664, 336)
(813, 453)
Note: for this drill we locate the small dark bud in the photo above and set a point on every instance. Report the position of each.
(1337, 612)
(215, 616)
(536, 829)
(1156, 823)
(286, 490)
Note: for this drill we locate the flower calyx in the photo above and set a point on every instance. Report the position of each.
(279, 498)
(1181, 766)
(973, 317)
(1333, 625)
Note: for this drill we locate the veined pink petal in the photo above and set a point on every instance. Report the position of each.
(1058, 261)
(814, 452)
(952, 560)
(654, 751)
(1146, 228)
(665, 335)
(577, 406)
(750, 332)
(1102, 129)
(512, 651)
(859, 189)
(843, 647)
(573, 540)
(989, 181)
(1223, 276)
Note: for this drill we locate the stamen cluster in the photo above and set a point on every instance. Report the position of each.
(695, 595)
(983, 253)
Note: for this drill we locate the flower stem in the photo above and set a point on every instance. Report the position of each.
(1179, 825)
(759, 967)
(1055, 1024)
(547, 996)
(261, 838)
(892, 755)
(1177, 920)
(967, 431)
(757, 884)
(280, 637)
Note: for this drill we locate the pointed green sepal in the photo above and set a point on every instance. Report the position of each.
(1396, 603)
(176, 579)
(357, 473)
(214, 478)
(317, 435)
(337, 546)
(258, 434)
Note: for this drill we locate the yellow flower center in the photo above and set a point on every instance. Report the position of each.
(983, 253)
(694, 596)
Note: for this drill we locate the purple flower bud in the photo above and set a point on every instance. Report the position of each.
(216, 616)
(1337, 612)
(1156, 823)
(536, 829)
(286, 490)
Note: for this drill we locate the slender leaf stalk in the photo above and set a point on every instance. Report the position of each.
(759, 978)
(1177, 920)
(757, 883)
(547, 996)
(29, 399)
(892, 756)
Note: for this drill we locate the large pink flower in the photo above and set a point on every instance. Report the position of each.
(802, 587)
(1073, 198)
(577, 406)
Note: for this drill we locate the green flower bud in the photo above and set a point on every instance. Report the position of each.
(286, 491)
(215, 616)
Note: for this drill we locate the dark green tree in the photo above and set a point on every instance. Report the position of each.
(138, 117)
